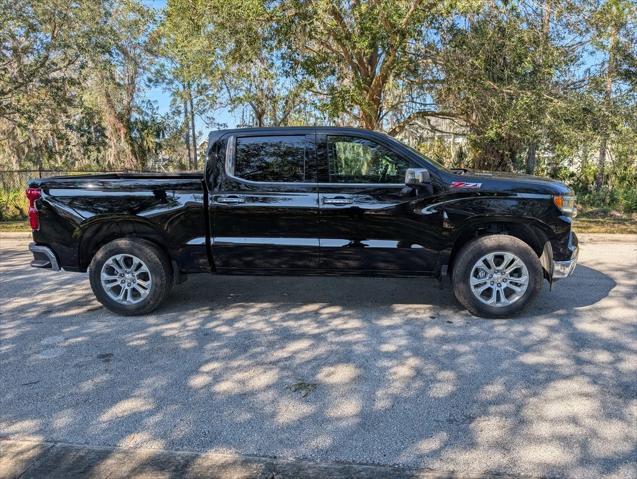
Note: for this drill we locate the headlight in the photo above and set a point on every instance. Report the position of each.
(566, 204)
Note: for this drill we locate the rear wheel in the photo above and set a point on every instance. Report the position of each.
(130, 276)
(496, 276)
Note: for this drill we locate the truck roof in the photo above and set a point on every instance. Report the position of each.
(215, 135)
(257, 129)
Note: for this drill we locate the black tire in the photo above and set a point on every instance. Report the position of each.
(158, 266)
(476, 249)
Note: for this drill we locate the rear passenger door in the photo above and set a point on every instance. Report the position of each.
(265, 206)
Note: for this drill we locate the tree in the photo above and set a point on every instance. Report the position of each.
(614, 25)
(69, 83)
(499, 76)
(188, 65)
(360, 58)
(228, 60)
(118, 67)
(43, 46)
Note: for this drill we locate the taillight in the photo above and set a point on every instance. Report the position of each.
(34, 194)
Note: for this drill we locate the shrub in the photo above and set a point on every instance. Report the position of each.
(623, 199)
(13, 205)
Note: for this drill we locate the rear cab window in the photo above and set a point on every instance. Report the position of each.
(271, 159)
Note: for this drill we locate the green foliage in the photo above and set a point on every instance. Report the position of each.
(500, 72)
(622, 199)
(70, 79)
(44, 46)
(443, 152)
(13, 205)
(546, 87)
(360, 57)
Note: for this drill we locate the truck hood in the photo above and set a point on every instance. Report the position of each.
(501, 182)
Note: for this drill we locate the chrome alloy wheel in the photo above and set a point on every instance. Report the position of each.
(126, 279)
(499, 279)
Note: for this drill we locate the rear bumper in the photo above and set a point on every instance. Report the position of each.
(563, 269)
(43, 257)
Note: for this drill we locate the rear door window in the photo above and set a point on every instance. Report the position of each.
(272, 159)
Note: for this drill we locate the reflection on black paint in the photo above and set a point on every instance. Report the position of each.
(386, 227)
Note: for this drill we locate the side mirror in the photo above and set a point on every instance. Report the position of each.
(417, 176)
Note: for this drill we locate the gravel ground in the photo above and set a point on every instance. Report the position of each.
(379, 371)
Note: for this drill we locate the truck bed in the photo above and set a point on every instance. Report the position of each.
(79, 213)
(120, 179)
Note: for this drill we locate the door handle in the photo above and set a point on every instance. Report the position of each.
(339, 200)
(232, 199)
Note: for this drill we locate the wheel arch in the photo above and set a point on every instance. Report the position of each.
(104, 231)
(530, 232)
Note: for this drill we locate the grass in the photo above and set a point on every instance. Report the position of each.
(609, 224)
(14, 226)
(604, 220)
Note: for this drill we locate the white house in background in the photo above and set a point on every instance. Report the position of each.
(422, 130)
(426, 130)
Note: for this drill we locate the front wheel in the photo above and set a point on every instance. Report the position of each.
(130, 276)
(496, 276)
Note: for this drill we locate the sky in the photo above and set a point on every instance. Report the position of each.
(159, 97)
(162, 100)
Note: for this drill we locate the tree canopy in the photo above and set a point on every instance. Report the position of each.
(546, 86)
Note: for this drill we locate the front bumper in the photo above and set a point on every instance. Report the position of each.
(43, 257)
(563, 269)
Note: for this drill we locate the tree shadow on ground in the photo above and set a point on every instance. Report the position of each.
(389, 371)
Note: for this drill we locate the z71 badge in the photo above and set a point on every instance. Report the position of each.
(464, 184)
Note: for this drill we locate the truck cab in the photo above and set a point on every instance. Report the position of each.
(308, 200)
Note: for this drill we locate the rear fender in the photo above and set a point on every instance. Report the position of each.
(99, 232)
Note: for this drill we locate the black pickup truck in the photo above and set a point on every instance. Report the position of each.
(307, 201)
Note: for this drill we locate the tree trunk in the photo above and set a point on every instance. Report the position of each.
(601, 161)
(369, 117)
(584, 161)
(546, 18)
(512, 158)
(608, 99)
(192, 128)
(531, 160)
(259, 116)
(187, 136)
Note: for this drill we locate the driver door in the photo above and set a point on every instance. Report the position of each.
(368, 220)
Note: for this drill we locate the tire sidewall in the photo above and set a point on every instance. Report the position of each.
(158, 266)
(489, 244)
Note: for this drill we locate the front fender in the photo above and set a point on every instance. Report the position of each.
(470, 212)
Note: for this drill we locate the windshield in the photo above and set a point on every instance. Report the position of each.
(426, 158)
(418, 153)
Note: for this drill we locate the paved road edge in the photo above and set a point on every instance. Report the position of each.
(22, 459)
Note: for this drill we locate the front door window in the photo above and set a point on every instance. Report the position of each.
(358, 160)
